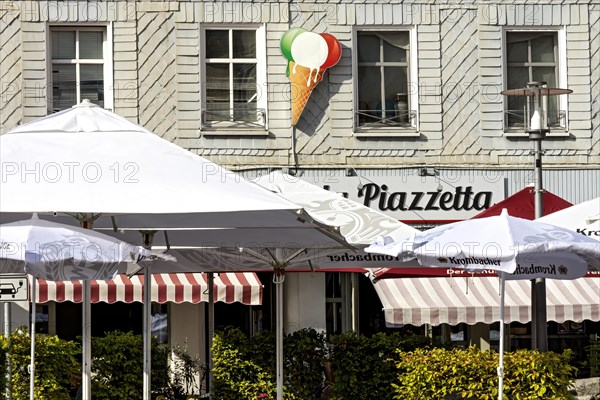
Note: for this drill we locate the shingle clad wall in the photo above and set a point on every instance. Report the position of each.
(156, 64)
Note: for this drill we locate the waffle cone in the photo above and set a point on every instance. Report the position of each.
(303, 83)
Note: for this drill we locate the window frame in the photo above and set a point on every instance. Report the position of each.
(561, 78)
(412, 83)
(237, 127)
(107, 61)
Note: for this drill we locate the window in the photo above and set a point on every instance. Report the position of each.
(80, 68)
(340, 315)
(533, 56)
(233, 74)
(385, 98)
(160, 323)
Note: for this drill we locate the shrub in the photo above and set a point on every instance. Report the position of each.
(593, 360)
(57, 372)
(117, 366)
(364, 367)
(244, 368)
(236, 373)
(426, 374)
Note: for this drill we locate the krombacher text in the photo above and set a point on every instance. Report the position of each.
(462, 198)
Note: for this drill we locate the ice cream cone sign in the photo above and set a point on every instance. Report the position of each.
(309, 55)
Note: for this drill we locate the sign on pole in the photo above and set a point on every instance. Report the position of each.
(14, 288)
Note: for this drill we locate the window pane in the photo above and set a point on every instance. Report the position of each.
(369, 88)
(92, 83)
(63, 87)
(545, 74)
(394, 46)
(244, 92)
(333, 286)
(217, 92)
(517, 77)
(217, 43)
(542, 49)
(368, 47)
(395, 81)
(244, 44)
(90, 45)
(517, 50)
(63, 45)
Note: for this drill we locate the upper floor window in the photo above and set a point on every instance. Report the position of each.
(79, 58)
(383, 80)
(234, 72)
(533, 56)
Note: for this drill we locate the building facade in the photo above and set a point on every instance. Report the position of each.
(411, 120)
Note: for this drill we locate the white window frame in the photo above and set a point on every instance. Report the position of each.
(107, 53)
(561, 62)
(238, 127)
(413, 80)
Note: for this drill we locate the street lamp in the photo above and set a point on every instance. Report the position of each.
(536, 126)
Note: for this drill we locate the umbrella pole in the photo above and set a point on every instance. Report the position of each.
(7, 323)
(86, 382)
(210, 281)
(147, 237)
(147, 333)
(278, 279)
(501, 349)
(32, 336)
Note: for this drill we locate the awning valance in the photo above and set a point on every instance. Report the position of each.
(243, 287)
(418, 301)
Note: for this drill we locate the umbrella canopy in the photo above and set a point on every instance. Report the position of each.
(54, 251)
(90, 162)
(503, 243)
(582, 218)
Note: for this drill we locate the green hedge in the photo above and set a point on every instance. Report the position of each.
(57, 373)
(426, 374)
(244, 368)
(364, 367)
(117, 367)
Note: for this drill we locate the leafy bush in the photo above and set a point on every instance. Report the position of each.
(117, 366)
(244, 368)
(57, 372)
(364, 367)
(426, 374)
(304, 355)
(238, 370)
(593, 360)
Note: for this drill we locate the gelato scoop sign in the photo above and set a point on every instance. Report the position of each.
(309, 55)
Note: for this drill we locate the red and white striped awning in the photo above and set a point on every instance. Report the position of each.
(418, 301)
(243, 287)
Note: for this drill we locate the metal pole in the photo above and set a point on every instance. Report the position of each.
(278, 279)
(501, 349)
(210, 281)
(539, 334)
(147, 238)
(7, 323)
(86, 350)
(32, 337)
(147, 327)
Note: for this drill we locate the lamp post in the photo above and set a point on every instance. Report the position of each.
(536, 126)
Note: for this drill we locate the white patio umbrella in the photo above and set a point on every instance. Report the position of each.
(55, 251)
(516, 248)
(358, 225)
(583, 218)
(91, 164)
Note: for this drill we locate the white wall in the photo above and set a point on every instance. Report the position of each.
(304, 301)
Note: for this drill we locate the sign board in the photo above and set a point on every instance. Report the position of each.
(14, 288)
(407, 196)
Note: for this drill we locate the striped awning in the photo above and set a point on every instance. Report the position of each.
(243, 287)
(418, 301)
